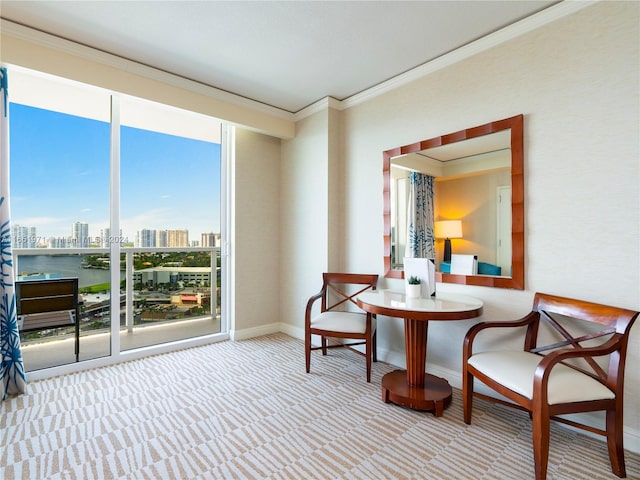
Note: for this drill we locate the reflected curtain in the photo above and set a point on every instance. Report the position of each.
(12, 367)
(420, 217)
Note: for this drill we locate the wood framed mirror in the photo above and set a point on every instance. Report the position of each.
(477, 144)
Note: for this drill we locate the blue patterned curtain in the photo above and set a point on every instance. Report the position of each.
(12, 368)
(420, 237)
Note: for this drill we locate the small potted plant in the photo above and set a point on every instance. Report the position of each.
(413, 287)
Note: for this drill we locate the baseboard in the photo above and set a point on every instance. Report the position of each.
(292, 331)
(392, 357)
(245, 334)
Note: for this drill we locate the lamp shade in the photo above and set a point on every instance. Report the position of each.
(448, 229)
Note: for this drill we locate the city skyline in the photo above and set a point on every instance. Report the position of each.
(60, 175)
(29, 237)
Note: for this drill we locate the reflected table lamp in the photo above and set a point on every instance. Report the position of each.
(448, 229)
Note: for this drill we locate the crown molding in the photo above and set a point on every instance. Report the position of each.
(526, 25)
(319, 106)
(47, 40)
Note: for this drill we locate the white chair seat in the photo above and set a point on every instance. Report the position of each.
(344, 322)
(565, 384)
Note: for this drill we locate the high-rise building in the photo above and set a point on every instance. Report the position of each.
(19, 236)
(105, 233)
(106, 239)
(210, 240)
(33, 238)
(80, 235)
(161, 238)
(178, 238)
(147, 238)
(60, 242)
(23, 237)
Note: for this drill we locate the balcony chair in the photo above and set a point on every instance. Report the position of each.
(560, 378)
(340, 317)
(46, 304)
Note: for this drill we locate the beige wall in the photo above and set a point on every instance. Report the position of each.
(576, 82)
(255, 234)
(304, 207)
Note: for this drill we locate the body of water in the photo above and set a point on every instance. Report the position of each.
(66, 265)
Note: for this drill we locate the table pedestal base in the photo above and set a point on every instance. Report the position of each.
(434, 396)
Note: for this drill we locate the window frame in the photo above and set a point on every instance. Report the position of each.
(115, 249)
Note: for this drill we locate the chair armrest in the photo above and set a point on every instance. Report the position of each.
(310, 302)
(541, 376)
(467, 348)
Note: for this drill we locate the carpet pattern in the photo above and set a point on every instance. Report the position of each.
(247, 410)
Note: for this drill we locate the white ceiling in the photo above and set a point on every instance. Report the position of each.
(287, 54)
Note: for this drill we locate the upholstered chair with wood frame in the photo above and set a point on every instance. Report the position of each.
(581, 369)
(339, 322)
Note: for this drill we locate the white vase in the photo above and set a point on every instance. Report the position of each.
(413, 291)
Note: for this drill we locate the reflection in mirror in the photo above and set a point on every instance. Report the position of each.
(472, 182)
(478, 184)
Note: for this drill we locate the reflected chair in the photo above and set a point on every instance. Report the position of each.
(581, 369)
(340, 318)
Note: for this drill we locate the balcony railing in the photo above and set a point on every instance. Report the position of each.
(166, 294)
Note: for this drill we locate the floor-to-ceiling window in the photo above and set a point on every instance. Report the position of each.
(134, 216)
(170, 206)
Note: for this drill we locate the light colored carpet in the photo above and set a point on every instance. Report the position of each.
(247, 410)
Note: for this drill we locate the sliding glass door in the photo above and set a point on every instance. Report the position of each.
(59, 160)
(170, 207)
(134, 215)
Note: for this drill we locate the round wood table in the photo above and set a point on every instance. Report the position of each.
(413, 387)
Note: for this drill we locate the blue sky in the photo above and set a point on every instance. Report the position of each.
(60, 175)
